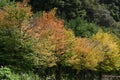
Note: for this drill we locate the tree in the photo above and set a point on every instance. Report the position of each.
(66, 9)
(113, 6)
(15, 47)
(82, 28)
(88, 54)
(111, 51)
(54, 44)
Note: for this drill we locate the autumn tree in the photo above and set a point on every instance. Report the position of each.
(111, 51)
(54, 44)
(88, 54)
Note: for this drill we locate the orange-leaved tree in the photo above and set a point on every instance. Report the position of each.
(54, 43)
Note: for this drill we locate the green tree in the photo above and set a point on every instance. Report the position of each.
(82, 28)
(66, 9)
(14, 42)
(114, 7)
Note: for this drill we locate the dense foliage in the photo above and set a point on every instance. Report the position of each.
(71, 46)
(82, 28)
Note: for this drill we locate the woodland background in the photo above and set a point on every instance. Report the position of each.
(59, 39)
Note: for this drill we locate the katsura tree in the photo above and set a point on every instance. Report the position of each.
(111, 51)
(14, 41)
(54, 44)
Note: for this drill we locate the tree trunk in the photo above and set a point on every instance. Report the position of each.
(100, 76)
(58, 72)
(82, 75)
(91, 75)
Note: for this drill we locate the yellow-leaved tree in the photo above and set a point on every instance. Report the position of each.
(111, 50)
(88, 54)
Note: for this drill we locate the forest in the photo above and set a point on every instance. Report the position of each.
(59, 39)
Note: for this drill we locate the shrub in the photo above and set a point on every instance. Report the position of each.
(6, 74)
